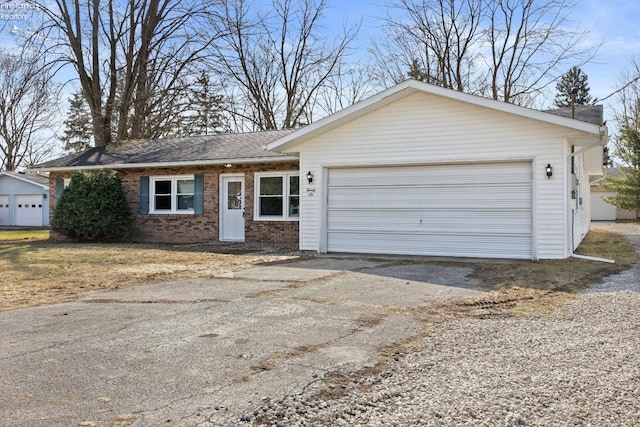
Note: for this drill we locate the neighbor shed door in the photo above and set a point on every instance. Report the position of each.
(28, 210)
(472, 210)
(4, 209)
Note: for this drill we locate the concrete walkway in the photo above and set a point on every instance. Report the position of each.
(176, 353)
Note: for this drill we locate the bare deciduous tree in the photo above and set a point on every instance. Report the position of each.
(28, 107)
(439, 35)
(275, 63)
(508, 50)
(130, 57)
(531, 42)
(349, 85)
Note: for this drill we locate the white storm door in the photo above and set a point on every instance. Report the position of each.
(232, 208)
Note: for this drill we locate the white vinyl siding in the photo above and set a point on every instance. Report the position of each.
(425, 129)
(474, 210)
(579, 205)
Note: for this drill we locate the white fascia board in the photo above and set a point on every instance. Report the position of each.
(283, 159)
(409, 87)
(20, 178)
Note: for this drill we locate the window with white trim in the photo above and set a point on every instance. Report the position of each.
(172, 194)
(277, 196)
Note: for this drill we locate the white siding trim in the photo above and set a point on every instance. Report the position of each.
(534, 209)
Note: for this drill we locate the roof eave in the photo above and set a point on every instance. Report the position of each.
(28, 181)
(157, 165)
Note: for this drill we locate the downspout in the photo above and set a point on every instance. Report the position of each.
(599, 180)
(592, 258)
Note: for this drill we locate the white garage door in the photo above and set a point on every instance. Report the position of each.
(471, 210)
(28, 210)
(4, 209)
(601, 210)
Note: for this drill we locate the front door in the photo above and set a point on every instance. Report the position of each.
(232, 208)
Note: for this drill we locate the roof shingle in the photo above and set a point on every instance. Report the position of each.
(191, 149)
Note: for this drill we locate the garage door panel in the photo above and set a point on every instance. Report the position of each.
(430, 221)
(444, 196)
(478, 210)
(478, 246)
(435, 175)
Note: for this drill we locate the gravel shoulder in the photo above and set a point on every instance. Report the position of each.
(579, 366)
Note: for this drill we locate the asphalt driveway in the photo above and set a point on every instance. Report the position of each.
(179, 353)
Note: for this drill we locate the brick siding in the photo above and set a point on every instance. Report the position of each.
(176, 228)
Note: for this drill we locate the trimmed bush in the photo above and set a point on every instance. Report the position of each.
(93, 208)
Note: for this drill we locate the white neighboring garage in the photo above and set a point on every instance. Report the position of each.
(418, 169)
(23, 200)
(603, 211)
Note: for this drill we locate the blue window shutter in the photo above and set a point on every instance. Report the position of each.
(59, 188)
(198, 196)
(144, 195)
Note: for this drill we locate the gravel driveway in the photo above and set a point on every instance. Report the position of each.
(579, 366)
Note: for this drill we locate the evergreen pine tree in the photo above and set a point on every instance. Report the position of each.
(416, 72)
(206, 113)
(576, 79)
(78, 130)
(627, 186)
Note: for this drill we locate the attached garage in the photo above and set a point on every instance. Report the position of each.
(472, 210)
(423, 170)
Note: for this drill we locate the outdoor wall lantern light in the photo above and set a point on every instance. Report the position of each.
(549, 170)
(227, 165)
(309, 177)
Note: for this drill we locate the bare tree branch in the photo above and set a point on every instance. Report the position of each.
(276, 62)
(28, 107)
(509, 50)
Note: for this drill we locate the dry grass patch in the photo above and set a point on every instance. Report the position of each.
(570, 275)
(39, 272)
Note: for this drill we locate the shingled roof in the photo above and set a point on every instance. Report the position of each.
(32, 178)
(586, 113)
(192, 150)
